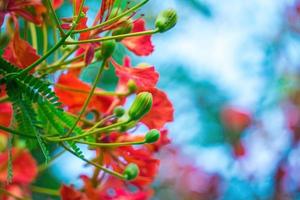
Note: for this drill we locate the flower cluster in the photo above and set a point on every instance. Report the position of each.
(44, 101)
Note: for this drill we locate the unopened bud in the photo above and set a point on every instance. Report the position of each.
(132, 87)
(152, 136)
(140, 106)
(166, 20)
(108, 48)
(119, 111)
(131, 171)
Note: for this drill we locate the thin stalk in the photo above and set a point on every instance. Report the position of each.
(15, 132)
(117, 144)
(114, 173)
(33, 36)
(46, 191)
(57, 21)
(55, 47)
(149, 32)
(45, 165)
(114, 19)
(88, 99)
(76, 137)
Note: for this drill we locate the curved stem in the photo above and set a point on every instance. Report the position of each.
(55, 47)
(114, 19)
(117, 144)
(46, 191)
(99, 130)
(61, 31)
(114, 173)
(33, 36)
(16, 132)
(88, 99)
(149, 32)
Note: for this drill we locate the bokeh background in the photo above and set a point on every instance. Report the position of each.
(231, 69)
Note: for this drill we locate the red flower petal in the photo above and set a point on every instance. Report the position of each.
(19, 52)
(74, 100)
(161, 112)
(70, 193)
(140, 45)
(235, 119)
(24, 166)
(144, 77)
(57, 3)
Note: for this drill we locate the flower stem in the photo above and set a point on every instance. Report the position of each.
(88, 99)
(55, 47)
(15, 132)
(99, 130)
(61, 31)
(149, 32)
(114, 173)
(46, 191)
(114, 19)
(33, 36)
(117, 144)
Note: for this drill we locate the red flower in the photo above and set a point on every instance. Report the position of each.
(235, 120)
(20, 7)
(19, 52)
(113, 189)
(24, 166)
(143, 76)
(57, 3)
(140, 45)
(76, 92)
(161, 112)
(70, 193)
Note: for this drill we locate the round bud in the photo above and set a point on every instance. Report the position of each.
(166, 20)
(108, 48)
(119, 111)
(131, 171)
(140, 106)
(132, 87)
(152, 136)
(98, 55)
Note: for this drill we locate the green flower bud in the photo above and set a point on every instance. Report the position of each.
(131, 171)
(124, 28)
(119, 111)
(140, 106)
(152, 136)
(132, 87)
(166, 20)
(108, 48)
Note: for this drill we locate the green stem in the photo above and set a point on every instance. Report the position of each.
(114, 19)
(45, 165)
(114, 173)
(99, 130)
(33, 36)
(88, 99)
(55, 47)
(46, 191)
(117, 144)
(45, 39)
(149, 32)
(102, 93)
(15, 132)
(61, 31)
